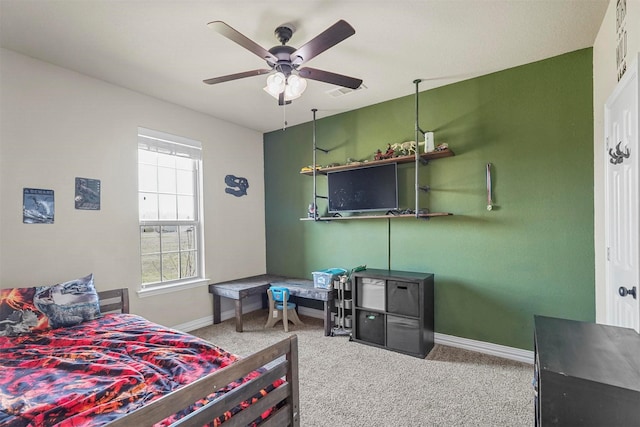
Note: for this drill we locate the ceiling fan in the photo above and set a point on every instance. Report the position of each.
(286, 81)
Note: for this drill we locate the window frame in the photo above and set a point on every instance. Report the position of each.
(162, 142)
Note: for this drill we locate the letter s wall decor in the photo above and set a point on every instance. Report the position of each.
(236, 186)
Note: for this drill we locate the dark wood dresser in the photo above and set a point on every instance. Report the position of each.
(586, 374)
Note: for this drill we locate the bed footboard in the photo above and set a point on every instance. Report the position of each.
(279, 360)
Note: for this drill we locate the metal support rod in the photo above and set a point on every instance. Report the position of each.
(417, 153)
(315, 194)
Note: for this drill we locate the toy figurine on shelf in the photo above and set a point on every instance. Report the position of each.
(313, 210)
(386, 155)
(309, 168)
(406, 148)
(389, 153)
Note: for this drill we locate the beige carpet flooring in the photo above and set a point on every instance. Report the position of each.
(348, 384)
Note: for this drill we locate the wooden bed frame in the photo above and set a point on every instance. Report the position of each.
(279, 360)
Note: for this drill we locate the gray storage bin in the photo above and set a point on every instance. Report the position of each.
(370, 293)
(370, 327)
(403, 298)
(403, 334)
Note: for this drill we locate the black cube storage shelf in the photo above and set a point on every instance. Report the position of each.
(394, 310)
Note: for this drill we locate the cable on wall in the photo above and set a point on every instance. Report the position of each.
(388, 243)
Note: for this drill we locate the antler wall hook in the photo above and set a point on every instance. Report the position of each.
(618, 156)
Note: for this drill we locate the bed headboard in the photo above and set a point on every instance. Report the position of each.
(114, 300)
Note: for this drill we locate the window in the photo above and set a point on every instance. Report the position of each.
(169, 200)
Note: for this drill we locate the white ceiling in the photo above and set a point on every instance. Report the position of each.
(164, 48)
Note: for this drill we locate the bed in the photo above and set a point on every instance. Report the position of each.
(119, 369)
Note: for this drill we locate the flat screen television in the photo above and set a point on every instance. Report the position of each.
(366, 189)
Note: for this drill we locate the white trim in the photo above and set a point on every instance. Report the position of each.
(230, 314)
(311, 312)
(170, 288)
(224, 315)
(498, 350)
(194, 324)
(164, 139)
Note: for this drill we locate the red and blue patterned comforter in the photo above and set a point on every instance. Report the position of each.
(95, 372)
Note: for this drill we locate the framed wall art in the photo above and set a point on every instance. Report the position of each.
(87, 194)
(37, 206)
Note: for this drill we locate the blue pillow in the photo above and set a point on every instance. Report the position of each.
(68, 303)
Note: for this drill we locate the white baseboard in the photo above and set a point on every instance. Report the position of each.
(498, 350)
(194, 324)
(224, 315)
(311, 312)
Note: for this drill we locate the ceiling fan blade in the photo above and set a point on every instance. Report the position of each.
(236, 76)
(323, 41)
(235, 36)
(328, 77)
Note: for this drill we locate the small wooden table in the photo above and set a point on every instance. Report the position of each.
(239, 289)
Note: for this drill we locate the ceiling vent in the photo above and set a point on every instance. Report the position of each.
(341, 91)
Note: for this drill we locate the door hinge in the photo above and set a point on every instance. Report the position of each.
(608, 254)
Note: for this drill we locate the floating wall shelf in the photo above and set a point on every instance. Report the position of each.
(416, 158)
(385, 216)
(400, 159)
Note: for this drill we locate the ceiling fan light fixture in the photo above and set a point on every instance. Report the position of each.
(276, 83)
(296, 85)
(292, 86)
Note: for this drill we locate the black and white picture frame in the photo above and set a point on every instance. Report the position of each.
(37, 206)
(87, 194)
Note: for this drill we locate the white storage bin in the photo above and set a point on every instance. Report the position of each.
(370, 293)
(324, 279)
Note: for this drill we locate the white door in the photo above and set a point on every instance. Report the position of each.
(622, 201)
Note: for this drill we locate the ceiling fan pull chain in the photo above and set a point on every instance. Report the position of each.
(284, 116)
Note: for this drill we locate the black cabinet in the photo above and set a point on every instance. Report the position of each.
(394, 310)
(586, 374)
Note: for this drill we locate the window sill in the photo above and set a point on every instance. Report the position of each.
(173, 287)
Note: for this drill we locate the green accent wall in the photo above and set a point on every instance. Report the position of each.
(533, 254)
